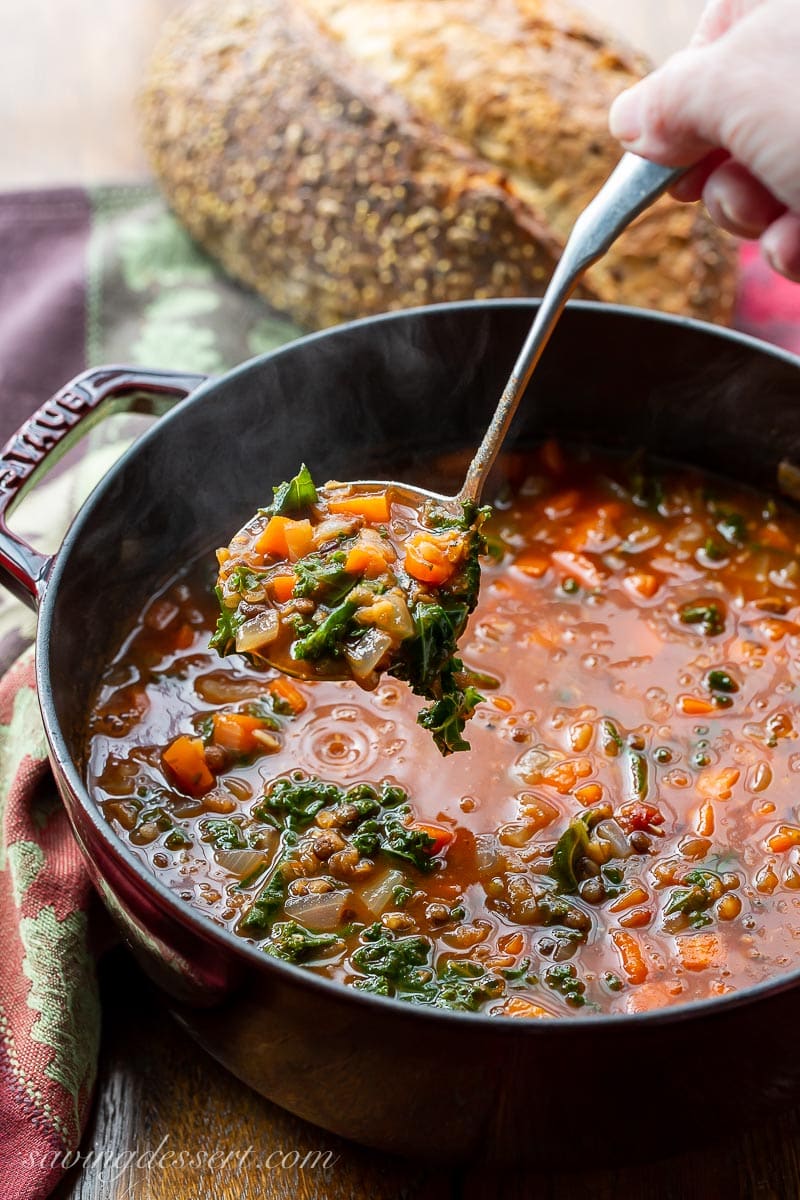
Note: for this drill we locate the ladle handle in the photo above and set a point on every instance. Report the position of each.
(632, 186)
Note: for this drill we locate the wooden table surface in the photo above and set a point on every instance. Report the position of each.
(68, 72)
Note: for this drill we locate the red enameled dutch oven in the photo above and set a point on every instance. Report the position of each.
(376, 399)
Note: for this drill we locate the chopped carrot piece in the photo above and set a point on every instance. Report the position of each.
(184, 637)
(299, 539)
(775, 629)
(631, 957)
(784, 838)
(552, 457)
(699, 951)
(374, 507)
(532, 564)
(580, 735)
(427, 560)
(512, 943)
(637, 918)
(441, 837)
(563, 776)
(637, 895)
(235, 731)
(272, 539)
(538, 812)
(695, 706)
(650, 995)
(365, 561)
(518, 1006)
(223, 554)
(773, 536)
(641, 584)
(562, 504)
(503, 703)
(705, 819)
(219, 800)
(283, 690)
(357, 561)
(588, 794)
(717, 785)
(187, 762)
(282, 587)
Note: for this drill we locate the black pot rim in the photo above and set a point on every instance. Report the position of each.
(500, 1026)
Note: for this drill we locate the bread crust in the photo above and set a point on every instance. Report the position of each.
(350, 158)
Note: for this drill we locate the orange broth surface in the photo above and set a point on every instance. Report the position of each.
(624, 832)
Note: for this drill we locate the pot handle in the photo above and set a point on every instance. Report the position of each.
(45, 436)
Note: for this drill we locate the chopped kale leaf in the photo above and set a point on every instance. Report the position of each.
(327, 640)
(563, 978)
(646, 489)
(323, 577)
(295, 494)
(177, 839)
(448, 715)
(396, 959)
(733, 527)
(223, 833)
(721, 681)
(407, 844)
(293, 803)
(637, 766)
(568, 848)
(464, 986)
(228, 624)
(243, 579)
(708, 616)
(694, 900)
(401, 966)
(268, 902)
(294, 943)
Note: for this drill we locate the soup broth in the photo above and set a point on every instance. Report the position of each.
(624, 833)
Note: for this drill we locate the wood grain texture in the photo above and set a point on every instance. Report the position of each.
(158, 1089)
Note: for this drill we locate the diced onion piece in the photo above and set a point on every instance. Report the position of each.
(223, 687)
(612, 834)
(241, 862)
(371, 537)
(389, 613)
(334, 527)
(380, 894)
(489, 854)
(368, 651)
(319, 910)
(258, 632)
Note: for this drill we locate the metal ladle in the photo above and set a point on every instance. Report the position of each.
(633, 185)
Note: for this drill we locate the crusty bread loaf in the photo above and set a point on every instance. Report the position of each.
(345, 157)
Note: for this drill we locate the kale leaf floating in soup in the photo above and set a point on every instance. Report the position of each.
(330, 583)
(625, 833)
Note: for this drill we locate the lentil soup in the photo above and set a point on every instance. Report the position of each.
(623, 835)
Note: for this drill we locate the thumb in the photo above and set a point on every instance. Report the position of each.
(740, 93)
(673, 116)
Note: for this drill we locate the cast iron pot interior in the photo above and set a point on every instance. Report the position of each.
(374, 400)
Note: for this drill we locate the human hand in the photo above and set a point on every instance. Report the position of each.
(730, 103)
